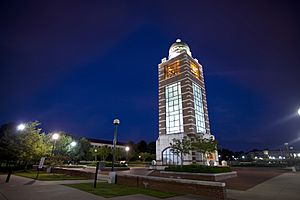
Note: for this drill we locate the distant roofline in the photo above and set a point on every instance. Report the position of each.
(108, 142)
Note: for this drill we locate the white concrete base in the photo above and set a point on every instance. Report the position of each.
(163, 142)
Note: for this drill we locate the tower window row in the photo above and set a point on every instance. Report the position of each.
(174, 69)
(199, 111)
(174, 115)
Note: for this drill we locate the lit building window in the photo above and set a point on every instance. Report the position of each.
(199, 111)
(172, 69)
(169, 158)
(195, 70)
(174, 117)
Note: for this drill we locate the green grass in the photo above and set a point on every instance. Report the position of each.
(198, 169)
(43, 176)
(112, 190)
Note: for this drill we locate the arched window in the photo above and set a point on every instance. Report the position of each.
(170, 158)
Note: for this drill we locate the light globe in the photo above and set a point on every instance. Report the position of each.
(73, 144)
(116, 122)
(55, 136)
(21, 127)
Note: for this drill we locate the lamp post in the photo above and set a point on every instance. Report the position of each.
(116, 122)
(127, 148)
(54, 137)
(299, 111)
(20, 127)
(95, 154)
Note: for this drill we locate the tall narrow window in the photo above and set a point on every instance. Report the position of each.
(195, 70)
(174, 117)
(172, 69)
(199, 111)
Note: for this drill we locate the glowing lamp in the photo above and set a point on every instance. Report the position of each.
(73, 144)
(55, 136)
(21, 127)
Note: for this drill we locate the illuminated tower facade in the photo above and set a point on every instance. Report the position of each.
(182, 105)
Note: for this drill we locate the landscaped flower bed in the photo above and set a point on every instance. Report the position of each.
(198, 169)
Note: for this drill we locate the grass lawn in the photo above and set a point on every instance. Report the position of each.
(43, 176)
(111, 190)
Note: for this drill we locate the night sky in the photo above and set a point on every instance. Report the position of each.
(77, 65)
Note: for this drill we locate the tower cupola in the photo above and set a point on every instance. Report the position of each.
(177, 48)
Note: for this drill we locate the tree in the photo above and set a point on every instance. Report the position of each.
(204, 145)
(145, 156)
(132, 153)
(62, 146)
(181, 147)
(83, 149)
(119, 153)
(225, 154)
(104, 152)
(61, 151)
(141, 146)
(95, 152)
(151, 148)
(26, 146)
(32, 143)
(9, 143)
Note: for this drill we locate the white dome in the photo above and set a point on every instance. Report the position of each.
(177, 48)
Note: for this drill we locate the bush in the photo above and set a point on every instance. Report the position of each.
(198, 169)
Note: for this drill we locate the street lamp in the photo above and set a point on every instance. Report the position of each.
(73, 144)
(127, 148)
(54, 137)
(21, 127)
(116, 122)
(299, 111)
(95, 154)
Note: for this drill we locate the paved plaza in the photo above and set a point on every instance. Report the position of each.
(283, 187)
(270, 185)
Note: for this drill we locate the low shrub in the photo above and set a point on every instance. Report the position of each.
(198, 169)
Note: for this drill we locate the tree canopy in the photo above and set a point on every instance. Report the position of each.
(181, 147)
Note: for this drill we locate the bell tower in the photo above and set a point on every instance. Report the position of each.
(182, 104)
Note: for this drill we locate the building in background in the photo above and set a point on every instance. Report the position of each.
(182, 105)
(109, 143)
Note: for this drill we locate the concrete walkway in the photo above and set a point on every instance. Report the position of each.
(283, 187)
(20, 188)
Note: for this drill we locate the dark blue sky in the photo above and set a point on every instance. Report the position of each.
(76, 65)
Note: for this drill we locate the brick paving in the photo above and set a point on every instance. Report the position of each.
(250, 177)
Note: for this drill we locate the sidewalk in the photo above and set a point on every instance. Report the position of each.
(283, 187)
(20, 188)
